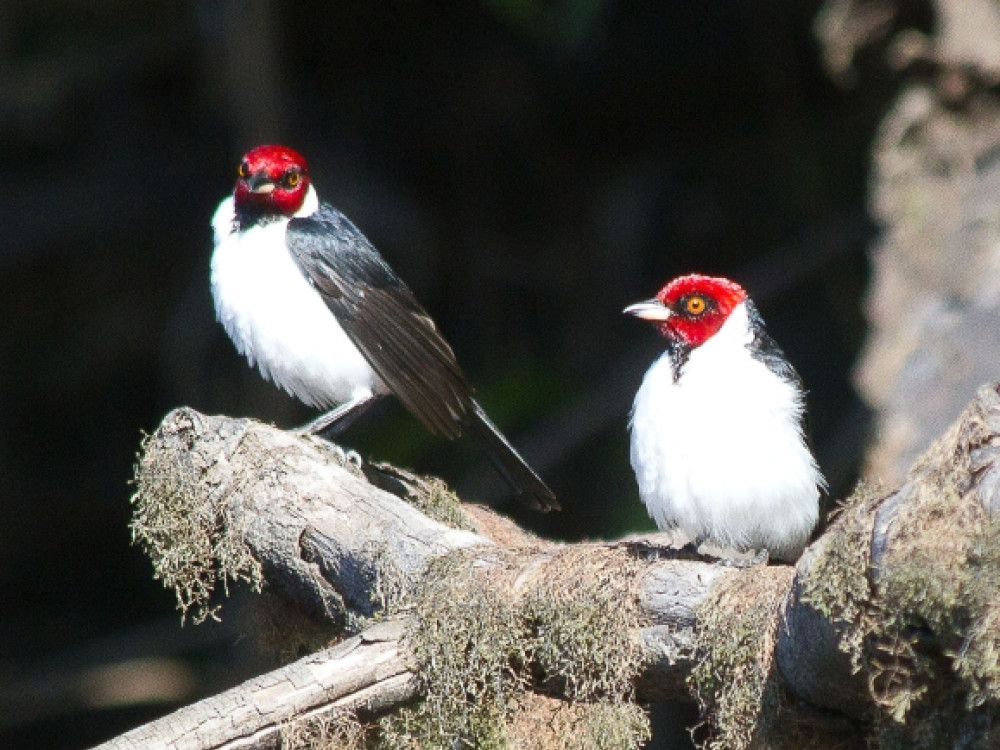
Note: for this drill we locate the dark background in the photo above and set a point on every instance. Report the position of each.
(530, 168)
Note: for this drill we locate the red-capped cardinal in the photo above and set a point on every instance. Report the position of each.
(308, 299)
(718, 445)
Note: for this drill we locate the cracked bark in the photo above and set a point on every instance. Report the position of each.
(325, 536)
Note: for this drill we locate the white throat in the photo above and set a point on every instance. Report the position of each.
(720, 452)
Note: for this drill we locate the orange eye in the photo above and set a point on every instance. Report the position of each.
(695, 305)
(243, 170)
(292, 179)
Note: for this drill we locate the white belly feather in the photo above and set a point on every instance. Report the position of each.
(720, 453)
(276, 318)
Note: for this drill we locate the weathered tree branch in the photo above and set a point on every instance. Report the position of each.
(874, 631)
(362, 675)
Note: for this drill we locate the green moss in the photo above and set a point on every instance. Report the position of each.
(545, 723)
(470, 647)
(925, 627)
(584, 616)
(477, 651)
(390, 585)
(337, 730)
(430, 495)
(977, 659)
(733, 680)
(837, 582)
(934, 648)
(193, 543)
(610, 725)
(435, 499)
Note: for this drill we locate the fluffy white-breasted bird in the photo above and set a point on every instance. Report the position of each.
(717, 429)
(307, 299)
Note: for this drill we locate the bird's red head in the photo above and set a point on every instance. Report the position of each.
(691, 309)
(271, 180)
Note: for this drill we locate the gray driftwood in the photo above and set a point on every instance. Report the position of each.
(363, 674)
(342, 548)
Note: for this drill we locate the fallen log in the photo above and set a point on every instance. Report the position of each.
(888, 627)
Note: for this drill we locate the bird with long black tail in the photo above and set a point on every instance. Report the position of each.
(307, 299)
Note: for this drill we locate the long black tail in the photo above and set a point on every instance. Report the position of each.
(530, 489)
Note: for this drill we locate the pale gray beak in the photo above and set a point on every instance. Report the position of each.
(261, 184)
(651, 309)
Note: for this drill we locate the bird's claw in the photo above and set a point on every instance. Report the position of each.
(346, 457)
(352, 458)
(759, 557)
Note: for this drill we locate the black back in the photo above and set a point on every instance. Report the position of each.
(382, 317)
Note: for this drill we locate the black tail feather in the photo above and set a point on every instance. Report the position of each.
(528, 486)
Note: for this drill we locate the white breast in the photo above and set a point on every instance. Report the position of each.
(720, 452)
(276, 318)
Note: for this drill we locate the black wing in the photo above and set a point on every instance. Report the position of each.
(383, 319)
(766, 349)
(400, 341)
(768, 352)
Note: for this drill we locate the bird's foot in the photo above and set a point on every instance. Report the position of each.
(349, 458)
(749, 560)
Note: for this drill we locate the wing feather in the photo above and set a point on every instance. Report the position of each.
(383, 319)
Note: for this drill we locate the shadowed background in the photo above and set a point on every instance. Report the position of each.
(528, 168)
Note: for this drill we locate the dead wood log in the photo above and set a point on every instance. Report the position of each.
(887, 625)
(363, 675)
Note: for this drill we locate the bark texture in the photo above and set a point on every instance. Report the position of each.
(885, 631)
(362, 675)
(934, 298)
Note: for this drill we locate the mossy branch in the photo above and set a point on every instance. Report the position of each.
(885, 631)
